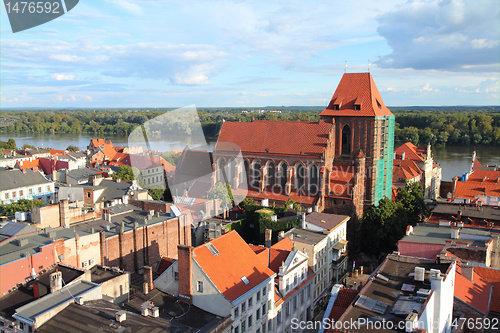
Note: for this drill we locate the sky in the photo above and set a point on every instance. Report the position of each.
(172, 53)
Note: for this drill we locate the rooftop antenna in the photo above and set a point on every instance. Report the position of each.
(345, 67)
(369, 64)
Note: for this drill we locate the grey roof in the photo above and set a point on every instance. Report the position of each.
(486, 212)
(99, 316)
(65, 294)
(129, 220)
(77, 154)
(114, 189)
(24, 245)
(327, 221)
(100, 274)
(77, 174)
(37, 151)
(430, 233)
(14, 178)
(13, 228)
(306, 236)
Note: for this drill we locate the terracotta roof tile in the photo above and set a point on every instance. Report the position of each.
(411, 151)
(98, 142)
(276, 137)
(492, 276)
(477, 294)
(56, 152)
(28, 164)
(235, 259)
(165, 263)
(355, 88)
(344, 297)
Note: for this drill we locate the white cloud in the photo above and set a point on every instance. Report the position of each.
(451, 35)
(128, 6)
(63, 77)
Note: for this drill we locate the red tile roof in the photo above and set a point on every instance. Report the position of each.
(405, 170)
(356, 89)
(279, 252)
(142, 162)
(476, 165)
(27, 164)
(344, 297)
(492, 276)
(275, 137)
(411, 151)
(470, 189)
(164, 264)
(476, 294)
(98, 142)
(56, 152)
(109, 150)
(235, 259)
(486, 176)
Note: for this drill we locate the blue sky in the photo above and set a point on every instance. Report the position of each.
(145, 53)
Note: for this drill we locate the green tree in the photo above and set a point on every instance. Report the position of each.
(72, 148)
(28, 146)
(156, 193)
(126, 173)
(22, 205)
(221, 192)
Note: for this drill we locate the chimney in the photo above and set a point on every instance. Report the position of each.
(64, 213)
(454, 181)
(148, 277)
(268, 237)
(303, 221)
(403, 155)
(121, 316)
(55, 281)
(455, 232)
(281, 235)
(185, 253)
(36, 292)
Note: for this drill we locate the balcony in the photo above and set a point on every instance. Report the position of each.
(338, 263)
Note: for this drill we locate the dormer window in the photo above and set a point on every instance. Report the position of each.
(357, 107)
(336, 107)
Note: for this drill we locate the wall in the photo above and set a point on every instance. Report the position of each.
(17, 271)
(419, 250)
(117, 288)
(210, 299)
(47, 216)
(145, 244)
(166, 282)
(157, 206)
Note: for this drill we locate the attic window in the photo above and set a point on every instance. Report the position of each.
(212, 249)
(379, 105)
(357, 107)
(245, 280)
(336, 106)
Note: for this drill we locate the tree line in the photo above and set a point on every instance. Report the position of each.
(458, 126)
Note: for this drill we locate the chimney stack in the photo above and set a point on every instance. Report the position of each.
(268, 238)
(303, 221)
(185, 254)
(455, 232)
(55, 281)
(64, 213)
(148, 277)
(281, 235)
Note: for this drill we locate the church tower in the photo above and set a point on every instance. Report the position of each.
(363, 124)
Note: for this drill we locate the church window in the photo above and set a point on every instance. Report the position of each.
(346, 140)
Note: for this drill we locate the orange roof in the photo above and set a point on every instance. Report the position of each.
(476, 294)
(476, 164)
(278, 253)
(235, 260)
(98, 142)
(109, 150)
(275, 137)
(23, 165)
(405, 170)
(493, 277)
(356, 89)
(167, 166)
(411, 151)
(486, 176)
(56, 152)
(469, 189)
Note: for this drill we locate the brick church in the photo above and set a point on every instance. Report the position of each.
(339, 164)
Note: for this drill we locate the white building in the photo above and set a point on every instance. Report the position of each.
(27, 184)
(323, 238)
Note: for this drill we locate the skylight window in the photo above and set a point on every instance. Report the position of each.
(245, 280)
(212, 249)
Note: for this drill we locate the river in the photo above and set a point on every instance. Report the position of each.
(454, 160)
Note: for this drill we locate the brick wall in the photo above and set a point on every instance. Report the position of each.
(47, 216)
(161, 207)
(145, 245)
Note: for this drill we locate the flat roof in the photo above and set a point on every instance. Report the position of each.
(382, 298)
(486, 212)
(435, 234)
(306, 236)
(100, 274)
(327, 221)
(71, 291)
(12, 249)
